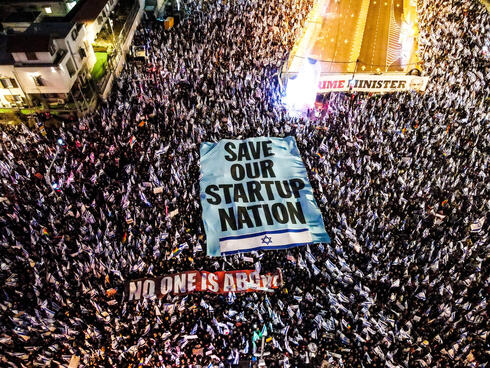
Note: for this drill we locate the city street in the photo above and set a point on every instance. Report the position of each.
(338, 33)
(380, 49)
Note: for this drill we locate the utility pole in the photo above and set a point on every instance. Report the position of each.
(353, 75)
(261, 360)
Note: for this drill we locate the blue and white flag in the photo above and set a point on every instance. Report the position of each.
(477, 225)
(255, 194)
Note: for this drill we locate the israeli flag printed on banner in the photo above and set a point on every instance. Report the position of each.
(255, 195)
(278, 239)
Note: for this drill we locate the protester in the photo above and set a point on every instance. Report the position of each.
(401, 180)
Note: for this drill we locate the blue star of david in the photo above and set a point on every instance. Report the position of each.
(266, 240)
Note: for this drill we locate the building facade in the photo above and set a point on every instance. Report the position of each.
(65, 56)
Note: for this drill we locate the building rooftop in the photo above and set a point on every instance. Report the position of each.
(5, 57)
(21, 17)
(28, 42)
(86, 11)
(16, 2)
(37, 37)
(46, 27)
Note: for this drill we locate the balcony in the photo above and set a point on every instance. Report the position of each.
(60, 56)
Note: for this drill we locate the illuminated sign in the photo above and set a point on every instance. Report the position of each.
(372, 83)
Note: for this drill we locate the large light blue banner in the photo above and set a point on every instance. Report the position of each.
(255, 194)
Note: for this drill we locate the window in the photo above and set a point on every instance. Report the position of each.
(52, 48)
(48, 10)
(82, 53)
(74, 34)
(70, 5)
(31, 55)
(15, 99)
(39, 81)
(100, 19)
(8, 83)
(70, 67)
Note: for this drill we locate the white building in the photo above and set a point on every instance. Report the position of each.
(11, 94)
(50, 61)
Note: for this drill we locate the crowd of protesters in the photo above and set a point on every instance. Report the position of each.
(401, 179)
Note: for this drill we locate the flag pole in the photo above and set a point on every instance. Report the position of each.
(262, 348)
(261, 360)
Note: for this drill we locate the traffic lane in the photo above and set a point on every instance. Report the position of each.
(381, 47)
(346, 35)
(368, 40)
(324, 44)
(375, 41)
(398, 10)
(335, 40)
(321, 24)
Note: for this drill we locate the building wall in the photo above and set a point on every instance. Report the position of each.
(73, 46)
(93, 28)
(57, 8)
(15, 26)
(56, 78)
(42, 57)
(7, 71)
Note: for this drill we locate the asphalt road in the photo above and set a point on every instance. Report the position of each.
(380, 50)
(336, 37)
(340, 32)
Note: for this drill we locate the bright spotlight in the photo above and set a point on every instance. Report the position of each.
(301, 90)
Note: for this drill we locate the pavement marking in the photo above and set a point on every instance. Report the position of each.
(338, 28)
(359, 34)
(375, 36)
(393, 47)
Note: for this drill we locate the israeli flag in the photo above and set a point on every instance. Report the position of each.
(278, 239)
(477, 225)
